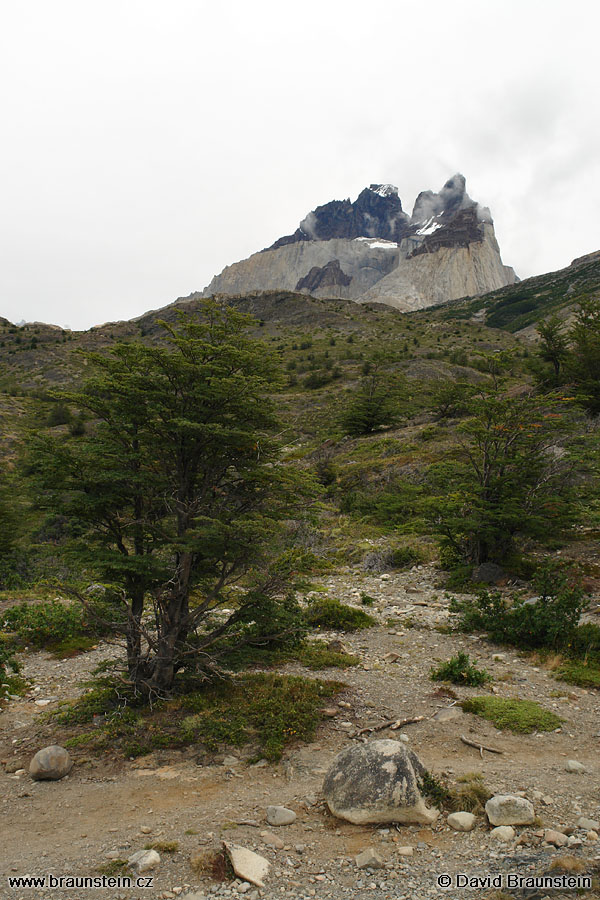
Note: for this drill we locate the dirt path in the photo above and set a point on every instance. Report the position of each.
(75, 825)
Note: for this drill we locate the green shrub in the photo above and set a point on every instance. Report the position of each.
(317, 380)
(584, 642)
(60, 414)
(550, 621)
(406, 557)
(366, 410)
(459, 670)
(584, 673)
(52, 623)
(470, 795)
(103, 699)
(38, 624)
(434, 790)
(522, 716)
(326, 612)
(7, 662)
(264, 708)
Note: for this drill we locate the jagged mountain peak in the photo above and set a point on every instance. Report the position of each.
(384, 190)
(452, 197)
(377, 212)
(369, 249)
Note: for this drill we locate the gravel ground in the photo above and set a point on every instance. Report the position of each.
(111, 807)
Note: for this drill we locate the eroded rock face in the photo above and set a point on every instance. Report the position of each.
(50, 764)
(376, 783)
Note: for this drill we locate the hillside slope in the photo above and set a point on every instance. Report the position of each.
(516, 308)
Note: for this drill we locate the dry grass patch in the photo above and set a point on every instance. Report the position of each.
(213, 864)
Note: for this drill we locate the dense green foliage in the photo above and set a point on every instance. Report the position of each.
(583, 362)
(503, 479)
(554, 346)
(51, 624)
(10, 528)
(375, 402)
(460, 670)
(547, 621)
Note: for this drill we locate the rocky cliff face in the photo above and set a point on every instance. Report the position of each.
(445, 272)
(371, 250)
(363, 261)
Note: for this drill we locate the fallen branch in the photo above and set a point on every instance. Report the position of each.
(392, 724)
(479, 746)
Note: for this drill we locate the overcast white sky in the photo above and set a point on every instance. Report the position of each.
(146, 144)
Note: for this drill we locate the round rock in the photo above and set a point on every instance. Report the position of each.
(503, 833)
(461, 821)
(504, 809)
(279, 815)
(375, 783)
(50, 764)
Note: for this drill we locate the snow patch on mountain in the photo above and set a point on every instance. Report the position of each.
(384, 190)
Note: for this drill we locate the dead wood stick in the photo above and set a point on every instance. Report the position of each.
(479, 746)
(392, 724)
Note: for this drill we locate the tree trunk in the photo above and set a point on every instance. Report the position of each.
(163, 672)
(134, 632)
(173, 634)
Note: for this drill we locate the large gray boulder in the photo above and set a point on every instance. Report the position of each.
(375, 783)
(50, 764)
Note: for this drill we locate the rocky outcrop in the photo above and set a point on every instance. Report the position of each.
(369, 250)
(328, 276)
